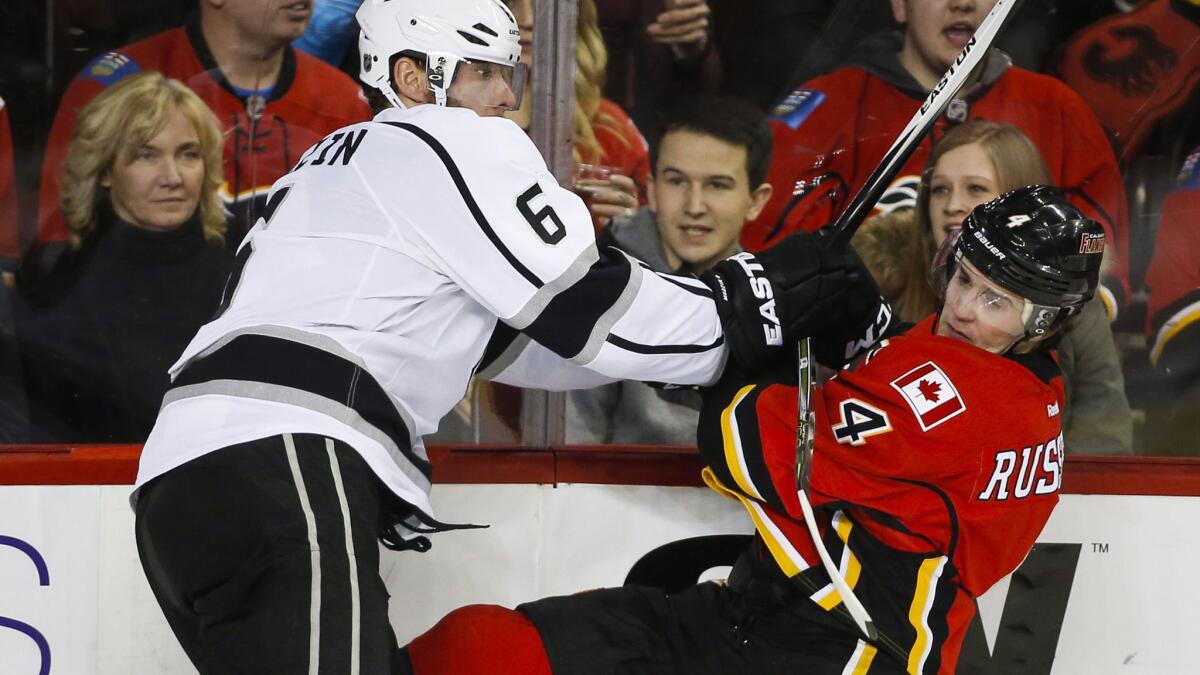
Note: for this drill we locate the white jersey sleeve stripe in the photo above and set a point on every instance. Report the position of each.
(469, 200)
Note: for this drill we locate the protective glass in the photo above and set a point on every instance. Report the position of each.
(970, 294)
(483, 83)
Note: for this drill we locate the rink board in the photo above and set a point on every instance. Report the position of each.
(1114, 573)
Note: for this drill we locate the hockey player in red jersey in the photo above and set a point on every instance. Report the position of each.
(938, 459)
(272, 100)
(830, 132)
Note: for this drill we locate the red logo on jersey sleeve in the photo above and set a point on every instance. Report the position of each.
(930, 394)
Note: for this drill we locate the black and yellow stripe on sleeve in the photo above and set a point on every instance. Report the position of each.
(731, 442)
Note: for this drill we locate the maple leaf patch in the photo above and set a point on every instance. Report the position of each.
(930, 395)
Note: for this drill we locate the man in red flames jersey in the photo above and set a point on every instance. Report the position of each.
(938, 459)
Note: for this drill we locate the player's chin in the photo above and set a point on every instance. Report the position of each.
(946, 330)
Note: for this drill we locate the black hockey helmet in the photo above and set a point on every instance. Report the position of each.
(1032, 242)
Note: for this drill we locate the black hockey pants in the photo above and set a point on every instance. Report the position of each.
(264, 558)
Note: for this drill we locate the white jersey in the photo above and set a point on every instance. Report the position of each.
(394, 255)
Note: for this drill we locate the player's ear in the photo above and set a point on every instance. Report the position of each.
(899, 11)
(758, 199)
(409, 78)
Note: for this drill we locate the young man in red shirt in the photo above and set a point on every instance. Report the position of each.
(831, 132)
(938, 458)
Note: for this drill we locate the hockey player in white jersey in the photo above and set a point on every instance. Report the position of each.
(398, 258)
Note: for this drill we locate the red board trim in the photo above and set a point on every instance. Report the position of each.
(606, 464)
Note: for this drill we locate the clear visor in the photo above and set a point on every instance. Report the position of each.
(971, 297)
(488, 85)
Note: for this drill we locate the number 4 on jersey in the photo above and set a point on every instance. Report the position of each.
(860, 421)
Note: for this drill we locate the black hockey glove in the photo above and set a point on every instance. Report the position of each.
(797, 288)
(857, 322)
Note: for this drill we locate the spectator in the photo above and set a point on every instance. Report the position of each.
(1173, 313)
(973, 163)
(661, 50)
(831, 132)
(604, 134)
(1032, 31)
(272, 102)
(101, 318)
(708, 181)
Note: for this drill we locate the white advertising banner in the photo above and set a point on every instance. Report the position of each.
(49, 546)
(1109, 588)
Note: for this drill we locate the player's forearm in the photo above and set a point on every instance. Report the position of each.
(669, 331)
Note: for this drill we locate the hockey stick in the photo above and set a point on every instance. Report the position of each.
(843, 228)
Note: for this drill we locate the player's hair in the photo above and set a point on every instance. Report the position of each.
(119, 121)
(1017, 163)
(733, 120)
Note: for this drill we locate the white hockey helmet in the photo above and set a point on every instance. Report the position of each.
(444, 33)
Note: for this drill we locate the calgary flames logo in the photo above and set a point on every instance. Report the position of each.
(1137, 73)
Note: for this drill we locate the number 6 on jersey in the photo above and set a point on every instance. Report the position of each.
(537, 219)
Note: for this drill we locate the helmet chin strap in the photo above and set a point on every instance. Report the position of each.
(392, 97)
(439, 70)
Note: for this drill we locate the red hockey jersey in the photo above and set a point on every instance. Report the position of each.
(936, 465)
(1173, 308)
(835, 129)
(263, 139)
